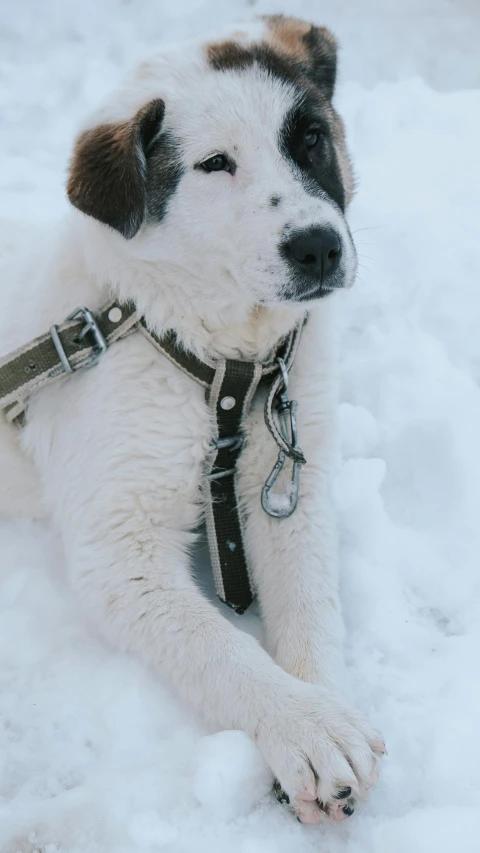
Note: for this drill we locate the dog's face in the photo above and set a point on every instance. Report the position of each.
(227, 162)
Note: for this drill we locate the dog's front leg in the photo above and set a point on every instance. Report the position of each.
(297, 582)
(294, 559)
(135, 578)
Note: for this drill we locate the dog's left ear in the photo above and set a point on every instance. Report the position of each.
(107, 170)
(314, 48)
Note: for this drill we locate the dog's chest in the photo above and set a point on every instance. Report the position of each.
(133, 424)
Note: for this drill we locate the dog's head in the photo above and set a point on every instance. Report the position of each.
(227, 162)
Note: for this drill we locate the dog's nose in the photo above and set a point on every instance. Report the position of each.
(315, 252)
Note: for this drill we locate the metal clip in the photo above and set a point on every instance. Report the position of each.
(67, 367)
(91, 326)
(283, 506)
(99, 342)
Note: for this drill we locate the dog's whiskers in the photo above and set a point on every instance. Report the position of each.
(368, 228)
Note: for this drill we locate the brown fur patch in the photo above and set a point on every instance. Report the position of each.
(106, 177)
(292, 49)
(344, 162)
(227, 54)
(286, 35)
(313, 47)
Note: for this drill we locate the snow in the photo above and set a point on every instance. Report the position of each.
(96, 755)
(230, 776)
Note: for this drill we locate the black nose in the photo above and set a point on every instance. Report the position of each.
(316, 252)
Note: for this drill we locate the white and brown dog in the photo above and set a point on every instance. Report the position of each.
(211, 191)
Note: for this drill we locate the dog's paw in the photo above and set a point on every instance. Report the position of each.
(322, 752)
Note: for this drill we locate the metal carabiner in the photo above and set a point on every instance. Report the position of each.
(281, 506)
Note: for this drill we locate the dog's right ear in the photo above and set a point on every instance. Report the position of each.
(314, 48)
(108, 167)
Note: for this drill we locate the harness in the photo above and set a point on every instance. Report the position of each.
(230, 386)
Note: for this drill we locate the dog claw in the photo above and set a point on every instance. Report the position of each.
(280, 794)
(343, 794)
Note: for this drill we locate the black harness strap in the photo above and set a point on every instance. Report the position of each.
(230, 396)
(202, 371)
(230, 387)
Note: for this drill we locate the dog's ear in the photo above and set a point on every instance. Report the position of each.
(314, 48)
(107, 170)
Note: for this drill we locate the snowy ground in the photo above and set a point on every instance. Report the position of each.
(96, 756)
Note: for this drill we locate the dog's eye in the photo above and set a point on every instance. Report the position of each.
(217, 163)
(311, 138)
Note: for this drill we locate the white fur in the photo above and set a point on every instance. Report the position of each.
(118, 449)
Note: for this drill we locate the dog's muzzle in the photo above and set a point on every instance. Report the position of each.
(314, 256)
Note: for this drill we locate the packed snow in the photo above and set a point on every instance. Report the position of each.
(96, 755)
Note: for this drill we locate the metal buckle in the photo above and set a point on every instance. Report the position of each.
(232, 443)
(91, 326)
(284, 505)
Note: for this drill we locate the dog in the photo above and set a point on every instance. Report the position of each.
(210, 190)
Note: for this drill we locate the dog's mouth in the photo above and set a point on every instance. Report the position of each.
(308, 291)
(318, 292)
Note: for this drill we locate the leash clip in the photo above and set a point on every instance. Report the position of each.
(282, 506)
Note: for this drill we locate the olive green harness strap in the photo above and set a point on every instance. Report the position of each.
(77, 343)
(230, 386)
